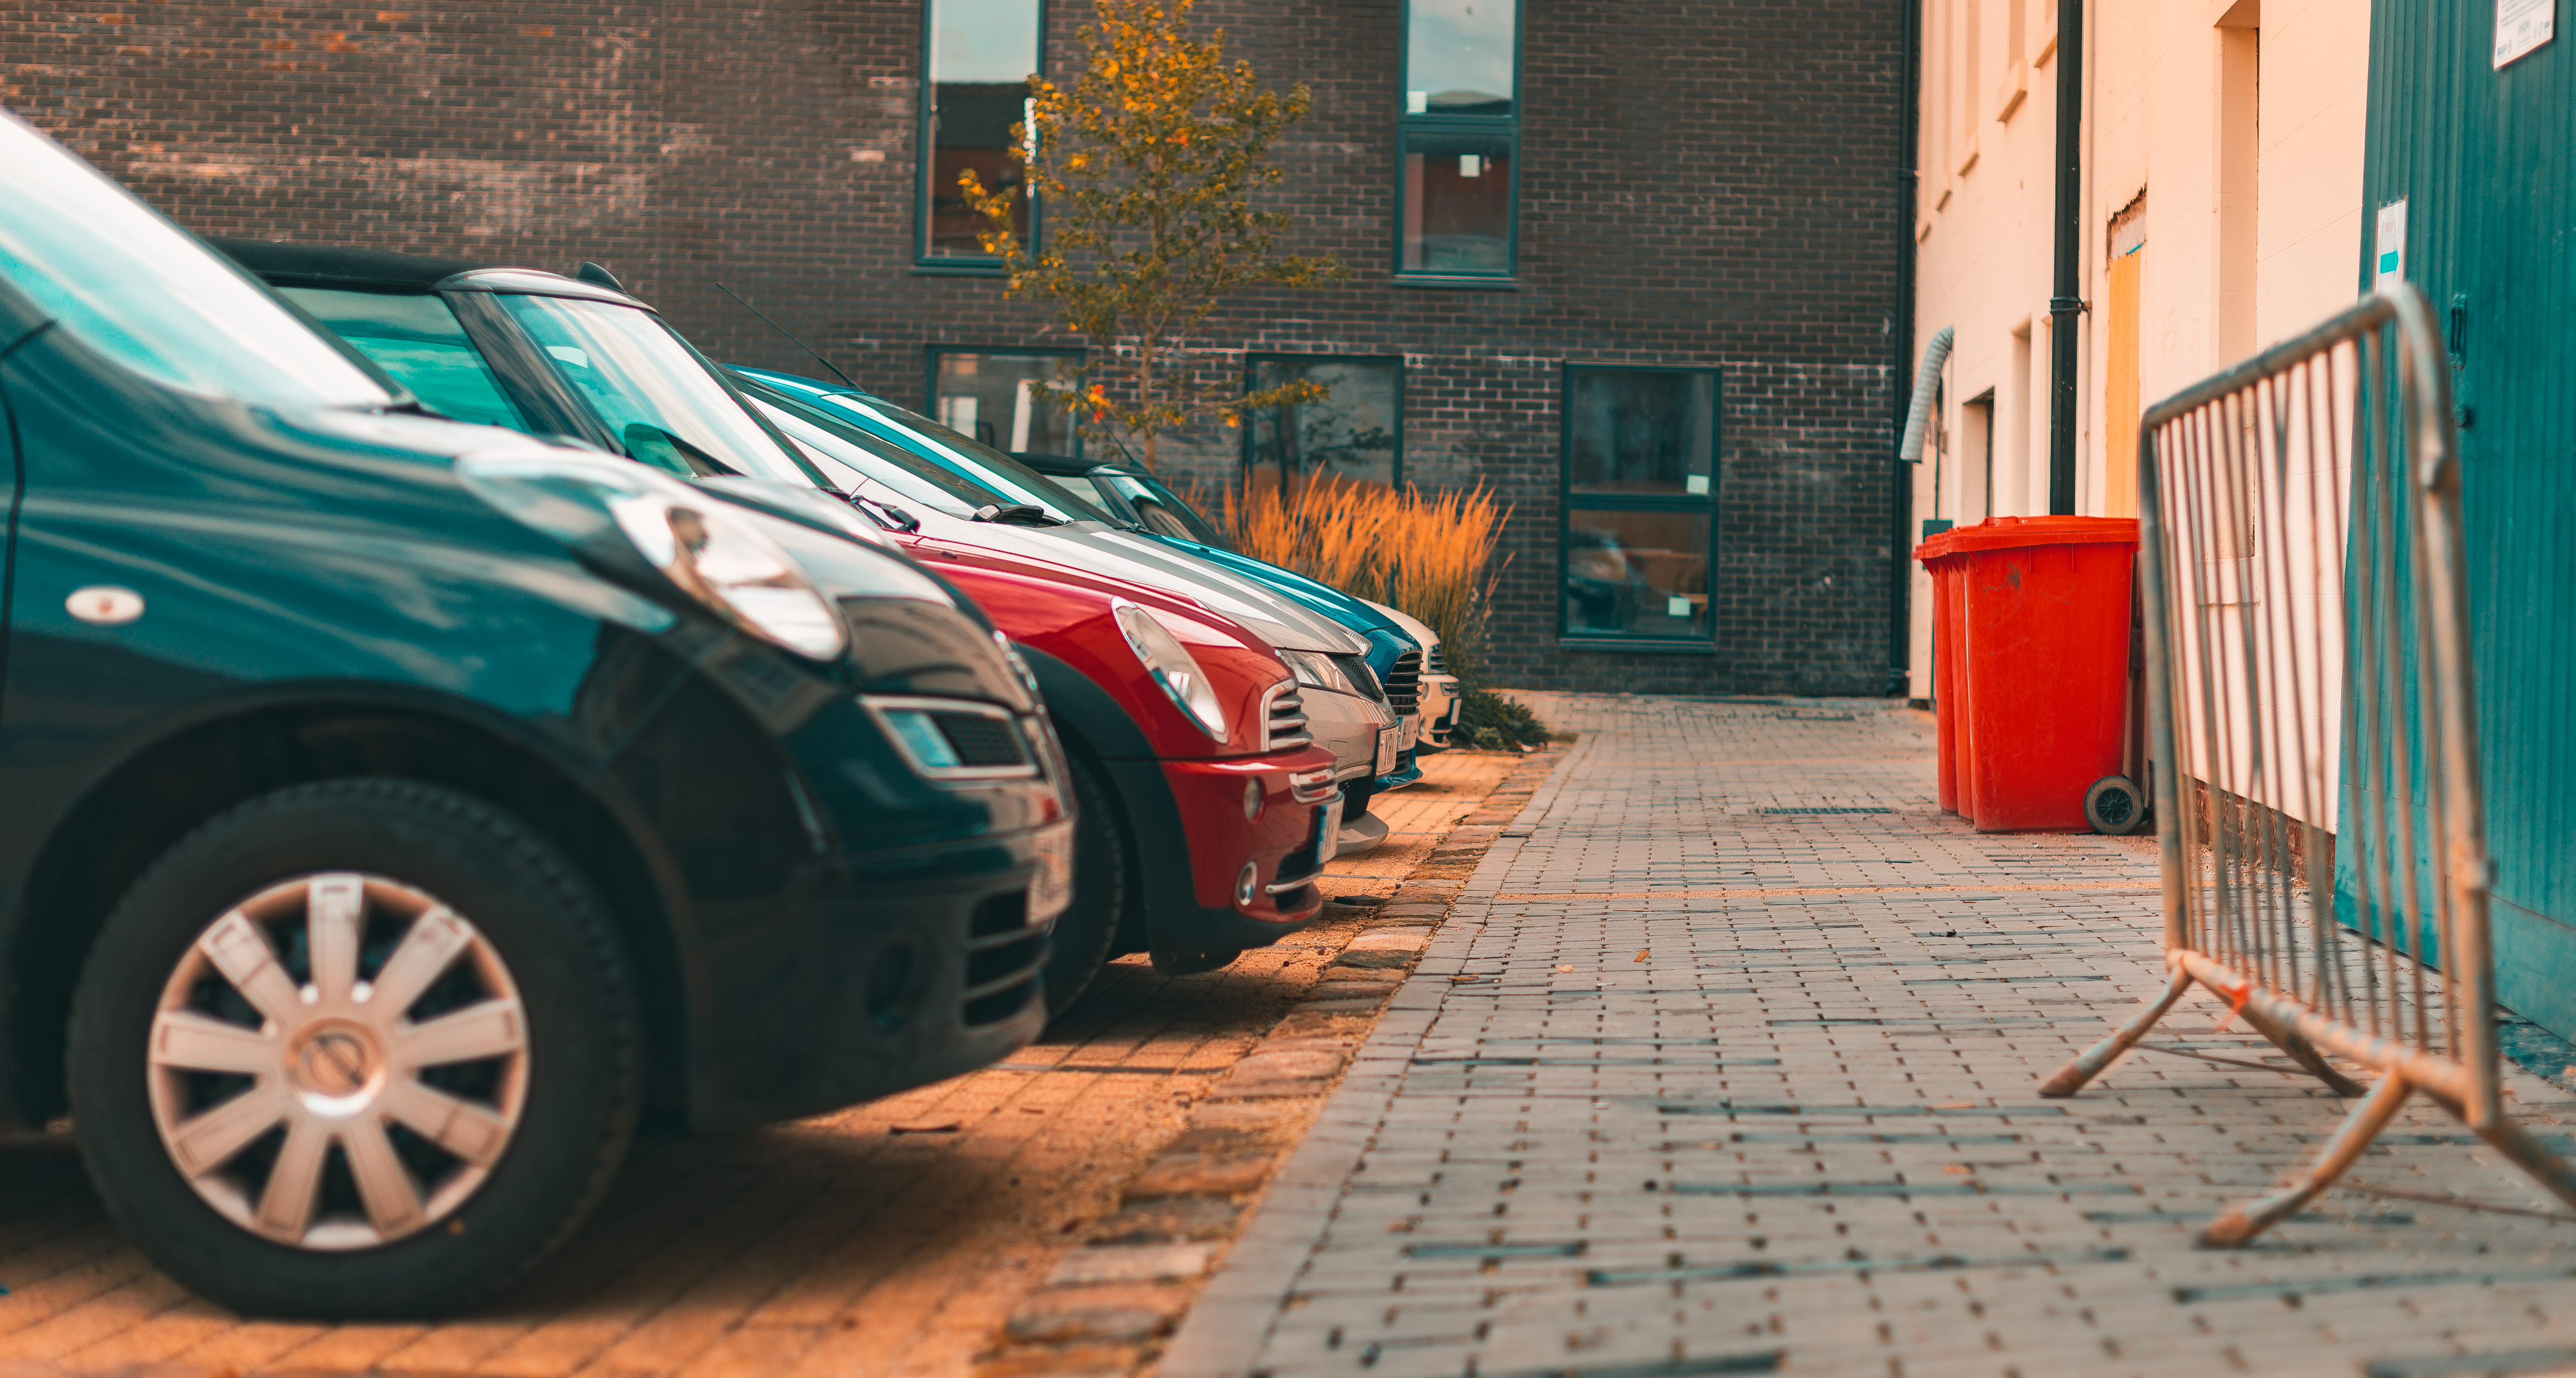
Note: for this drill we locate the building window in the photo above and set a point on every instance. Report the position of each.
(1354, 433)
(977, 57)
(1639, 499)
(1458, 140)
(987, 394)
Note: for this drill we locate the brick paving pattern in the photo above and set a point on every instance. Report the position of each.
(891, 1239)
(1725, 1062)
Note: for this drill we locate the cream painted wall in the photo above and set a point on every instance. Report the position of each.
(2153, 112)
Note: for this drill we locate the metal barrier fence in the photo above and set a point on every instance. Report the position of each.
(2314, 736)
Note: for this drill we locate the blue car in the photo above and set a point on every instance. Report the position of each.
(1393, 656)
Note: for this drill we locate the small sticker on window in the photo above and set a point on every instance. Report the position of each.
(1677, 606)
(1696, 485)
(1417, 102)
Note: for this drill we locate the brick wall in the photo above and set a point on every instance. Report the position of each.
(1710, 183)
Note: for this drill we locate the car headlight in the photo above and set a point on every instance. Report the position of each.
(1172, 667)
(1316, 670)
(703, 546)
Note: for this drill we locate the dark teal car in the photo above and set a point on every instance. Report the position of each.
(393, 810)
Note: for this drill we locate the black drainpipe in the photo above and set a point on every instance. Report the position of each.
(2066, 303)
(1900, 483)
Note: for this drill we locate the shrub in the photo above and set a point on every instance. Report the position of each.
(1490, 722)
(1426, 555)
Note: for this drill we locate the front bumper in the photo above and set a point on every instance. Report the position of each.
(1195, 845)
(1350, 727)
(1441, 702)
(882, 971)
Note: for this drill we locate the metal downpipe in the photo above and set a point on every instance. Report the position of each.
(2066, 301)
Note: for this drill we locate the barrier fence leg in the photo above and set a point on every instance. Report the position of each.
(2302, 1052)
(2545, 1167)
(2071, 1077)
(2242, 1223)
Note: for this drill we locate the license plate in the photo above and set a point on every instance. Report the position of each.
(1329, 832)
(1386, 749)
(1409, 732)
(1051, 889)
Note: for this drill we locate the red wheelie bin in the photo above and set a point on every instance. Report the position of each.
(1949, 687)
(2039, 634)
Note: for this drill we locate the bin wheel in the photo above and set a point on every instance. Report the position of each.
(2114, 807)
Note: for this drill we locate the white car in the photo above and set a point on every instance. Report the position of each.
(1441, 698)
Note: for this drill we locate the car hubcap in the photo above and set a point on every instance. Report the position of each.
(338, 1062)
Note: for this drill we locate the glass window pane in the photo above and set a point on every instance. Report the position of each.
(988, 397)
(1636, 574)
(976, 460)
(1458, 57)
(418, 340)
(1641, 432)
(1457, 203)
(1161, 509)
(981, 55)
(1350, 433)
(662, 401)
(125, 281)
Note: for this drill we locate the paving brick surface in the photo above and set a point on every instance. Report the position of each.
(1726, 1060)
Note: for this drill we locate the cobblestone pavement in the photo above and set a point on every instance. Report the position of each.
(1725, 1061)
(892, 1239)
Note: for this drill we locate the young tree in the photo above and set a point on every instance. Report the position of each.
(1144, 173)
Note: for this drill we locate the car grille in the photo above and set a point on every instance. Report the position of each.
(1436, 665)
(1404, 684)
(981, 742)
(1284, 719)
(955, 739)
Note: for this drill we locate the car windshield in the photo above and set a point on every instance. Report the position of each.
(867, 459)
(661, 400)
(1162, 510)
(980, 462)
(122, 279)
(414, 337)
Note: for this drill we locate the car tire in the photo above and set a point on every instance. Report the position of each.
(394, 924)
(1079, 945)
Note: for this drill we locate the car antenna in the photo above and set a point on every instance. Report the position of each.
(791, 338)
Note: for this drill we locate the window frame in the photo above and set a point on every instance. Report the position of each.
(930, 354)
(1568, 502)
(926, 155)
(1254, 357)
(1507, 128)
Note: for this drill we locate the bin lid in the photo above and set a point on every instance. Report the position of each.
(2011, 533)
(1935, 545)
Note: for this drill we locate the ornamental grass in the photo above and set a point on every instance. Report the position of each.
(1432, 556)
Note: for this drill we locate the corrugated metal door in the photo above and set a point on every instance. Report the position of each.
(2485, 161)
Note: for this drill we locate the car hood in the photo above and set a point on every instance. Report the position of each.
(1411, 626)
(1320, 598)
(1090, 551)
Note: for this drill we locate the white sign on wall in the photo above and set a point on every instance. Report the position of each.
(2522, 25)
(2388, 247)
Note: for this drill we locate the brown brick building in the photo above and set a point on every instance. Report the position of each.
(1637, 264)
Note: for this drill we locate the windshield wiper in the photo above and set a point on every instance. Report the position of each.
(887, 515)
(1017, 514)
